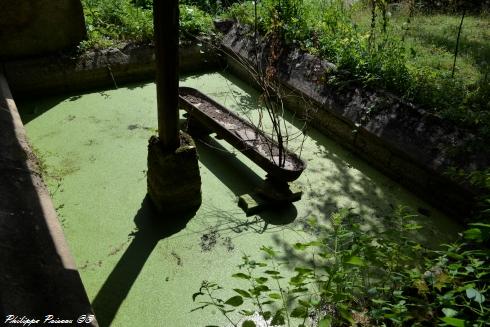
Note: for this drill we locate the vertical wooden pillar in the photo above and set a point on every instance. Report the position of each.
(166, 30)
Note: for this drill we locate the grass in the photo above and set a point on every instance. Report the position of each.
(430, 43)
(434, 38)
(431, 40)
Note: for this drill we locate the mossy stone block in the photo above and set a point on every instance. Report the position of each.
(35, 27)
(251, 203)
(174, 181)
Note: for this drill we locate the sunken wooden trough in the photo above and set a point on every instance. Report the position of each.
(245, 137)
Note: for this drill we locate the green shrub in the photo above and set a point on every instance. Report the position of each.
(244, 13)
(347, 276)
(194, 21)
(286, 17)
(111, 21)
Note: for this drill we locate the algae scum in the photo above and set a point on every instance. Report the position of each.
(93, 150)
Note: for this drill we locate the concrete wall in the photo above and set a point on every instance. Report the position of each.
(38, 275)
(34, 27)
(56, 74)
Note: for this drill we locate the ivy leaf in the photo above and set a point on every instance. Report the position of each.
(248, 323)
(235, 301)
(268, 250)
(262, 288)
(278, 319)
(267, 315)
(275, 296)
(300, 246)
(272, 272)
(448, 312)
(299, 312)
(299, 290)
(481, 224)
(356, 261)
(474, 295)
(241, 275)
(261, 280)
(257, 290)
(325, 322)
(412, 226)
(242, 292)
(473, 234)
(302, 271)
(455, 322)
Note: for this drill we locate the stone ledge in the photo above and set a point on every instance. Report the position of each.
(63, 73)
(38, 275)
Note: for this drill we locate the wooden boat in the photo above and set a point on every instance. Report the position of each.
(241, 134)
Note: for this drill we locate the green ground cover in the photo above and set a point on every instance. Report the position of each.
(139, 272)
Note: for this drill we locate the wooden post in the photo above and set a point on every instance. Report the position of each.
(166, 33)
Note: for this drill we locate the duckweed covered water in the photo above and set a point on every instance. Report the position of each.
(93, 150)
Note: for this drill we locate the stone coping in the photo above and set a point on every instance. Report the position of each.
(65, 73)
(38, 276)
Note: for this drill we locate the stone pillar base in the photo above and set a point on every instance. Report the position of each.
(174, 182)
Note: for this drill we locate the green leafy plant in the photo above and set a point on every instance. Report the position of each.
(194, 21)
(110, 22)
(348, 276)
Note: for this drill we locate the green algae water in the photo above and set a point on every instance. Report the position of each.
(93, 149)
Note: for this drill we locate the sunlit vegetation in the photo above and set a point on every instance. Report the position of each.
(405, 47)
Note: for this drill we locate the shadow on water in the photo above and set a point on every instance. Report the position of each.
(151, 228)
(240, 179)
(336, 177)
(31, 109)
(36, 275)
